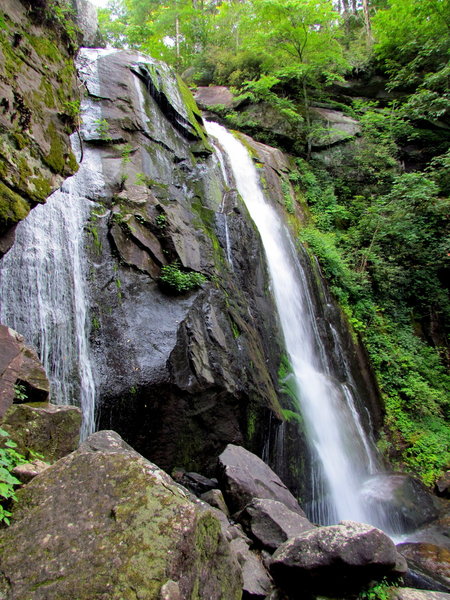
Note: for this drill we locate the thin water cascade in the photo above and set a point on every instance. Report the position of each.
(43, 292)
(342, 454)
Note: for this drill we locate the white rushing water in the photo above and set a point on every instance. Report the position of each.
(343, 454)
(43, 292)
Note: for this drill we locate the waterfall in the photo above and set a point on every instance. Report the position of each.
(343, 456)
(43, 290)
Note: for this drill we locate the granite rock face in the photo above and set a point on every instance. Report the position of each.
(38, 109)
(180, 373)
(105, 523)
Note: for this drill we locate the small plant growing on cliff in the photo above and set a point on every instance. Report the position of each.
(9, 459)
(176, 281)
(161, 221)
(377, 591)
(20, 392)
(102, 128)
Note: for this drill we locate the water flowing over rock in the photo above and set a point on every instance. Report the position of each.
(342, 449)
(107, 523)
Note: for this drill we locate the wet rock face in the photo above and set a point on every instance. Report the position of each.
(181, 374)
(107, 523)
(405, 499)
(38, 109)
(428, 559)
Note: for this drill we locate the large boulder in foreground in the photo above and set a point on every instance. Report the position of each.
(243, 476)
(270, 523)
(19, 364)
(49, 430)
(104, 522)
(335, 558)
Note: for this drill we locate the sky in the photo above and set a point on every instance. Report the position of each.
(101, 3)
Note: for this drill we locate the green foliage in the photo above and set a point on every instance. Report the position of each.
(20, 392)
(102, 128)
(177, 281)
(9, 459)
(161, 221)
(377, 591)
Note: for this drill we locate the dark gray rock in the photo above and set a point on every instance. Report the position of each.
(404, 499)
(257, 582)
(104, 522)
(243, 476)
(270, 523)
(196, 483)
(215, 498)
(339, 557)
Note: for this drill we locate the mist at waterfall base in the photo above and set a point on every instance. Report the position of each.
(344, 456)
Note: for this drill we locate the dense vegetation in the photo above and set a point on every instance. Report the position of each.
(379, 208)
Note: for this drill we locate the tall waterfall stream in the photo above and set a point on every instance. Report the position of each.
(43, 277)
(344, 454)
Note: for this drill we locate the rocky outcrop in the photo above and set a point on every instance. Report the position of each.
(406, 500)
(48, 430)
(428, 559)
(270, 523)
(335, 558)
(181, 372)
(212, 96)
(413, 594)
(22, 376)
(104, 522)
(243, 477)
(39, 106)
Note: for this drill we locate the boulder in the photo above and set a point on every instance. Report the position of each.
(404, 499)
(270, 523)
(243, 476)
(442, 487)
(213, 95)
(257, 583)
(28, 471)
(336, 127)
(49, 430)
(431, 560)
(104, 522)
(339, 557)
(196, 483)
(19, 364)
(215, 498)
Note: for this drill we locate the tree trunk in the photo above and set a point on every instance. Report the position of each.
(367, 24)
(177, 41)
